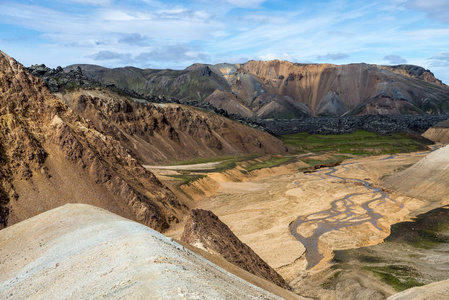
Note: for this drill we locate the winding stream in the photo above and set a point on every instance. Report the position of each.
(343, 213)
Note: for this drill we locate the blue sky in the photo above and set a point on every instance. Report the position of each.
(176, 34)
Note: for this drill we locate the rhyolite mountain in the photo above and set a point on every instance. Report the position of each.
(79, 251)
(280, 89)
(203, 229)
(89, 148)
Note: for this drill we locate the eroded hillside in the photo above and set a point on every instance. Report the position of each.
(168, 132)
(280, 89)
(51, 156)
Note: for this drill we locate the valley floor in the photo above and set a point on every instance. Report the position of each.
(280, 211)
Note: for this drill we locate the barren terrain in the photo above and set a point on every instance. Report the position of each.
(78, 251)
(280, 214)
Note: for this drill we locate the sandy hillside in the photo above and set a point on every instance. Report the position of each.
(438, 133)
(79, 251)
(427, 179)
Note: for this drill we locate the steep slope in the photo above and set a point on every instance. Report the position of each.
(51, 156)
(427, 179)
(281, 89)
(438, 133)
(204, 230)
(83, 252)
(162, 132)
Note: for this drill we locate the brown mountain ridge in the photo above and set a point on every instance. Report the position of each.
(280, 89)
(91, 153)
(204, 230)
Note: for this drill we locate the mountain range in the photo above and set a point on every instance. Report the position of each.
(285, 90)
(88, 146)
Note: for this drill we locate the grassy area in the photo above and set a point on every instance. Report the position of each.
(399, 277)
(226, 162)
(426, 231)
(187, 178)
(273, 161)
(357, 143)
(331, 280)
(203, 160)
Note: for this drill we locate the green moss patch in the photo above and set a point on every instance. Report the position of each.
(399, 277)
(356, 143)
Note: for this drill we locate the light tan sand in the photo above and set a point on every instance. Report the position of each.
(260, 209)
(79, 251)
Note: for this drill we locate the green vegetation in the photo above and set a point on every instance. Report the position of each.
(187, 178)
(226, 162)
(426, 231)
(203, 160)
(428, 239)
(356, 143)
(331, 280)
(273, 161)
(399, 277)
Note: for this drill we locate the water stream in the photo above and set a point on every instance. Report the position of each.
(343, 213)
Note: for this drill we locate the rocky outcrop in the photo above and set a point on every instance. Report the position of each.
(204, 230)
(414, 72)
(51, 156)
(280, 89)
(377, 123)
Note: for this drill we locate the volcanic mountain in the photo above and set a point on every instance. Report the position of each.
(52, 154)
(280, 89)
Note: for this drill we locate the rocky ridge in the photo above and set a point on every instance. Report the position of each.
(51, 156)
(69, 80)
(204, 230)
(157, 133)
(280, 89)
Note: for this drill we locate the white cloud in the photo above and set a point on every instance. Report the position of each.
(395, 59)
(272, 56)
(333, 56)
(217, 31)
(436, 9)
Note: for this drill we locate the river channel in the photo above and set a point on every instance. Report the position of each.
(344, 212)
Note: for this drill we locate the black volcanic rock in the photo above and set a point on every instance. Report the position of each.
(374, 123)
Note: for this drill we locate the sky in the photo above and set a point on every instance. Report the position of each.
(176, 34)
